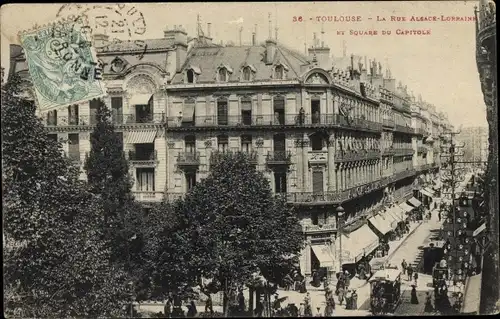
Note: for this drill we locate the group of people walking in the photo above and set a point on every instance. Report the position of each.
(409, 271)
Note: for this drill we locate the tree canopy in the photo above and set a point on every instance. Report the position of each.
(233, 227)
(56, 263)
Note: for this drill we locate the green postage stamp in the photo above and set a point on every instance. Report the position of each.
(62, 64)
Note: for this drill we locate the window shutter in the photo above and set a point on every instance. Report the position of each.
(317, 182)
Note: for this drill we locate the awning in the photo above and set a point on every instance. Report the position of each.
(479, 230)
(356, 244)
(381, 223)
(472, 295)
(415, 202)
(140, 99)
(140, 137)
(399, 213)
(425, 192)
(395, 215)
(431, 191)
(188, 112)
(323, 254)
(407, 208)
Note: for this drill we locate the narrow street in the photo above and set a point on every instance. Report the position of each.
(412, 251)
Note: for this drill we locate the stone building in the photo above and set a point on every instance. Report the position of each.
(325, 131)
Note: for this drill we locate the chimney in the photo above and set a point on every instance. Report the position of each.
(270, 50)
(253, 38)
(322, 55)
(209, 26)
(390, 84)
(178, 37)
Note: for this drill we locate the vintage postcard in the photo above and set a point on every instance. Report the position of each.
(275, 159)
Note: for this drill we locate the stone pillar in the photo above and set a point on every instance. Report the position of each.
(305, 162)
(331, 163)
(305, 258)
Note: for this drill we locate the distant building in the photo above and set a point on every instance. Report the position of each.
(475, 141)
(325, 132)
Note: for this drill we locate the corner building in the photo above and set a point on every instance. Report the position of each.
(325, 131)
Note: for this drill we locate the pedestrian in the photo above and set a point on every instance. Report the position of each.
(354, 300)
(413, 299)
(209, 305)
(403, 266)
(415, 276)
(318, 312)
(259, 308)
(341, 295)
(168, 307)
(293, 310)
(302, 309)
(241, 301)
(329, 309)
(410, 272)
(276, 304)
(428, 303)
(192, 311)
(439, 215)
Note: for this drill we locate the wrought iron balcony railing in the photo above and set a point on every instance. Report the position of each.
(188, 158)
(403, 151)
(422, 149)
(335, 196)
(404, 129)
(388, 151)
(143, 159)
(388, 123)
(319, 228)
(279, 120)
(350, 156)
(172, 197)
(400, 174)
(118, 119)
(148, 196)
(279, 158)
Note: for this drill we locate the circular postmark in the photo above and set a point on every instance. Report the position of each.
(120, 21)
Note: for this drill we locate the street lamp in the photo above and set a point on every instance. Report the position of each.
(340, 213)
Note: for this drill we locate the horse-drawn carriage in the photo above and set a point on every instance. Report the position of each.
(385, 291)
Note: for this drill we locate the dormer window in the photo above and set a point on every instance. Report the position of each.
(223, 72)
(190, 76)
(222, 75)
(247, 72)
(192, 73)
(279, 71)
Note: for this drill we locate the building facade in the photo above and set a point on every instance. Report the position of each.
(486, 45)
(475, 142)
(325, 131)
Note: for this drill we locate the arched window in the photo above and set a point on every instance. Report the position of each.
(279, 72)
(222, 75)
(247, 73)
(190, 76)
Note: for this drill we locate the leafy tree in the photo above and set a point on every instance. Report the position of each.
(233, 227)
(56, 263)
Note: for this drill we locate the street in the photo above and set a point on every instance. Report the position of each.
(411, 250)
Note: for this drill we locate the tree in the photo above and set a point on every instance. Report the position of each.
(233, 227)
(107, 168)
(56, 264)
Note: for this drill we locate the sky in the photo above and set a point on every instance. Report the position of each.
(439, 66)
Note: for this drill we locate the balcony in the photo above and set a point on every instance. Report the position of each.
(139, 159)
(90, 120)
(275, 158)
(172, 197)
(287, 120)
(422, 150)
(402, 174)
(336, 197)
(319, 228)
(421, 131)
(351, 156)
(404, 129)
(388, 123)
(148, 196)
(188, 160)
(388, 151)
(403, 151)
